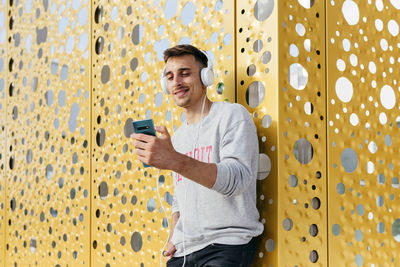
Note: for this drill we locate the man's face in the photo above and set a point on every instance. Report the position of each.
(183, 80)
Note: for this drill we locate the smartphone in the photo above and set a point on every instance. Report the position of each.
(144, 127)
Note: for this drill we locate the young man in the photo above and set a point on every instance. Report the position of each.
(214, 159)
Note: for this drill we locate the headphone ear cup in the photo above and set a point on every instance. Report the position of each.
(163, 81)
(207, 76)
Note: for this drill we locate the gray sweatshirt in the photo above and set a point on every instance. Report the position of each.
(227, 212)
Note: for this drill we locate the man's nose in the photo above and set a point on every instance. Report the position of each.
(177, 80)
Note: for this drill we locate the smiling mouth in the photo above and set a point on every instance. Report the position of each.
(181, 92)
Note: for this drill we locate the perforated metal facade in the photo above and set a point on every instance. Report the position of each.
(318, 77)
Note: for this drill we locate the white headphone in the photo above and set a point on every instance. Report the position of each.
(206, 75)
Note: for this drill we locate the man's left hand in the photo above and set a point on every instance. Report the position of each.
(155, 151)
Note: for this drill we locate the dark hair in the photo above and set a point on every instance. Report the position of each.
(182, 50)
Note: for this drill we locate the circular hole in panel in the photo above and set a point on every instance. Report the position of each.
(395, 3)
(313, 230)
(396, 230)
(341, 65)
(105, 74)
(300, 29)
(307, 45)
(359, 260)
(358, 235)
(308, 108)
(388, 97)
(298, 76)
(336, 229)
(49, 171)
(151, 205)
(137, 34)
(136, 242)
(255, 94)
(257, 46)
(188, 13)
(315, 203)
(101, 137)
(395, 182)
(11, 64)
(266, 57)
(128, 128)
(303, 151)
(351, 12)
(134, 64)
(372, 147)
(360, 209)
(263, 9)
(15, 113)
(270, 245)
(379, 5)
(227, 39)
(393, 27)
(251, 70)
(32, 245)
(287, 224)
(293, 181)
(98, 14)
(314, 256)
(306, 3)
(349, 160)
(13, 204)
(103, 190)
(370, 167)
(293, 50)
(380, 227)
(340, 188)
(379, 201)
(266, 121)
(11, 23)
(344, 89)
(170, 8)
(11, 89)
(29, 156)
(158, 99)
(220, 88)
(264, 166)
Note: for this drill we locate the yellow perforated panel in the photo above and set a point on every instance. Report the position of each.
(3, 102)
(257, 57)
(302, 175)
(364, 121)
(74, 74)
(129, 227)
(48, 171)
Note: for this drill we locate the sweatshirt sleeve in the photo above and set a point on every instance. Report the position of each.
(238, 158)
(175, 207)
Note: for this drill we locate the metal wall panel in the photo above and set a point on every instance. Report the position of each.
(257, 72)
(302, 208)
(128, 225)
(364, 126)
(3, 103)
(48, 171)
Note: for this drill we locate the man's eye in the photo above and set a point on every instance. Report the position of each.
(169, 78)
(185, 74)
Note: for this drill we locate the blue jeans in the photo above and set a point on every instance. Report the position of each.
(218, 255)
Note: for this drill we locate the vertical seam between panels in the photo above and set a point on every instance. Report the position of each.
(235, 48)
(325, 9)
(90, 132)
(5, 227)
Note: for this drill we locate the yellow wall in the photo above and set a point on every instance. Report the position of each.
(318, 77)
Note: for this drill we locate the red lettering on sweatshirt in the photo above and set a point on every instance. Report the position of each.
(204, 157)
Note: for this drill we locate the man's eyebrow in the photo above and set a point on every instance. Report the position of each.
(181, 69)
